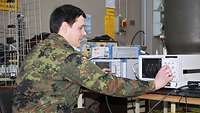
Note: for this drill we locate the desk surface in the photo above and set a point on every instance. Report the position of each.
(170, 98)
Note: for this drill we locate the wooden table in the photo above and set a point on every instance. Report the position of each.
(172, 99)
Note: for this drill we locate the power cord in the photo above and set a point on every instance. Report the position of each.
(186, 107)
(185, 98)
(138, 32)
(135, 73)
(150, 111)
(106, 97)
(180, 99)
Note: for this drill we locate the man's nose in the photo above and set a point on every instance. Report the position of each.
(84, 32)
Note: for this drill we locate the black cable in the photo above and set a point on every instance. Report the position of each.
(108, 104)
(181, 89)
(135, 73)
(163, 42)
(140, 31)
(160, 101)
(165, 97)
(186, 103)
(180, 99)
(184, 95)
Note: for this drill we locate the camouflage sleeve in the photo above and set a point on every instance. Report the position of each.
(89, 75)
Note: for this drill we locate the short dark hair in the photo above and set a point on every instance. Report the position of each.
(65, 13)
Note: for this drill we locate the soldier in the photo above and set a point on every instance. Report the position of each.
(52, 75)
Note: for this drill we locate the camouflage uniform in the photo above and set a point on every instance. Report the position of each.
(53, 73)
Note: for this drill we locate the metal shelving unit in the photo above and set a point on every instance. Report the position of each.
(20, 21)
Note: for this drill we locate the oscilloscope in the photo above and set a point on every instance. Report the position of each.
(184, 68)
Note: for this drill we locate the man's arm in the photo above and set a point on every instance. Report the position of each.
(89, 75)
(63, 62)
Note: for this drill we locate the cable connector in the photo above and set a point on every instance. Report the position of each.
(193, 84)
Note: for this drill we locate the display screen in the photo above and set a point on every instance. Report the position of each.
(102, 64)
(150, 67)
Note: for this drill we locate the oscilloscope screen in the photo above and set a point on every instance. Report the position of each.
(150, 67)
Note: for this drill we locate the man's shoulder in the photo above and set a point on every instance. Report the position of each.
(57, 41)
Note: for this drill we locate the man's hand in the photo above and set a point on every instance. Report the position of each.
(163, 76)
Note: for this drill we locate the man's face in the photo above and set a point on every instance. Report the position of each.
(76, 32)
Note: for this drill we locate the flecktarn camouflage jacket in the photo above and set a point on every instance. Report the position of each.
(51, 77)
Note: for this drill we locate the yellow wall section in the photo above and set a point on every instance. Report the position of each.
(109, 22)
(4, 6)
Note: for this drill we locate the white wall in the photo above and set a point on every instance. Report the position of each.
(96, 8)
(92, 7)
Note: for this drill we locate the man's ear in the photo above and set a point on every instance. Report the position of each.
(63, 29)
(64, 26)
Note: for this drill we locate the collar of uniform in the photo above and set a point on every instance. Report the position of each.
(61, 38)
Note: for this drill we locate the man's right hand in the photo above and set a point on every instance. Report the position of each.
(163, 76)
